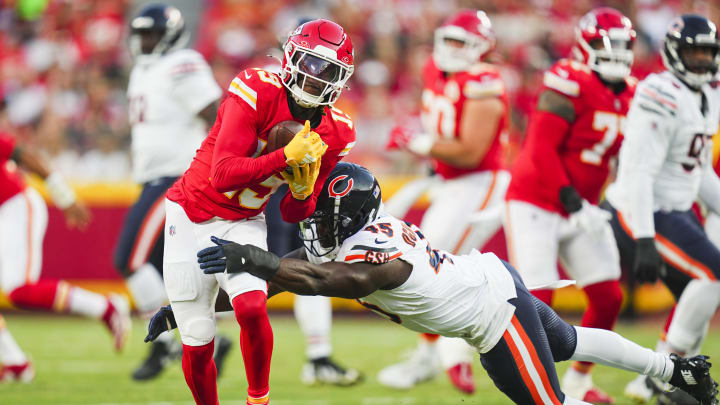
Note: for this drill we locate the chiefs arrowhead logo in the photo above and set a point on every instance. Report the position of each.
(339, 194)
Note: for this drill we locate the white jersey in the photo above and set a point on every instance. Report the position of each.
(666, 157)
(455, 296)
(165, 94)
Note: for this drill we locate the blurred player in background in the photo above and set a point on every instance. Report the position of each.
(226, 188)
(464, 118)
(665, 165)
(23, 221)
(173, 100)
(552, 212)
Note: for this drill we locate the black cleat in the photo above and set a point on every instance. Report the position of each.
(692, 375)
(160, 355)
(325, 371)
(222, 348)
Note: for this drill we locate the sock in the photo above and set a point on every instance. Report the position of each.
(147, 288)
(256, 340)
(573, 401)
(10, 352)
(693, 312)
(200, 373)
(263, 400)
(86, 303)
(609, 348)
(604, 301)
(314, 315)
(48, 295)
(429, 337)
(544, 296)
(454, 351)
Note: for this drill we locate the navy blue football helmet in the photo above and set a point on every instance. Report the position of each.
(691, 31)
(156, 30)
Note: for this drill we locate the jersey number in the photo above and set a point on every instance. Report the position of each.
(611, 125)
(252, 199)
(438, 115)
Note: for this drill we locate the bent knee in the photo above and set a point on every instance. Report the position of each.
(197, 331)
(250, 306)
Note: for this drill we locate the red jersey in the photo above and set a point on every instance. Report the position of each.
(579, 155)
(11, 183)
(443, 99)
(231, 176)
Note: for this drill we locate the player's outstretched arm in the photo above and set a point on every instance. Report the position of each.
(76, 214)
(333, 279)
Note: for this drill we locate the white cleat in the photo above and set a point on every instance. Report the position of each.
(326, 371)
(638, 390)
(423, 365)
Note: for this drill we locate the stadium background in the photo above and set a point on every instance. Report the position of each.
(64, 67)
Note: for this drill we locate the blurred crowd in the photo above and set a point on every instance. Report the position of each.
(64, 63)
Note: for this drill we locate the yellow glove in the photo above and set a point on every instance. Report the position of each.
(302, 180)
(306, 147)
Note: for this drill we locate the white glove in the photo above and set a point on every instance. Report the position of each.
(590, 218)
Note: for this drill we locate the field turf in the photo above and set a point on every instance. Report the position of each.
(75, 365)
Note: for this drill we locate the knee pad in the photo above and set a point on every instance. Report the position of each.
(249, 306)
(197, 331)
(562, 337)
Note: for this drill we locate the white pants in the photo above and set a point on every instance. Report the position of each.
(23, 221)
(448, 223)
(537, 237)
(191, 292)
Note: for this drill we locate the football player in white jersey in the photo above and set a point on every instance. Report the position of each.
(665, 164)
(389, 266)
(173, 99)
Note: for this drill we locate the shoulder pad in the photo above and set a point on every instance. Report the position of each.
(345, 131)
(487, 83)
(369, 245)
(656, 95)
(185, 61)
(248, 83)
(565, 77)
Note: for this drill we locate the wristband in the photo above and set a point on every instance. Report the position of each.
(60, 192)
(421, 144)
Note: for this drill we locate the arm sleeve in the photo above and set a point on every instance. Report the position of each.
(647, 139)
(294, 210)
(7, 146)
(232, 166)
(546, 134)
(710, 186)
(194, 85)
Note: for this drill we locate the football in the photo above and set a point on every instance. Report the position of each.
(281, 134)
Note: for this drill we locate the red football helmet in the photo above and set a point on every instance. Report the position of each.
(318, 62)
(605, 38)
(472, 33)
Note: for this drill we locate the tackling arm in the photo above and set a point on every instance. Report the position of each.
(478, 127)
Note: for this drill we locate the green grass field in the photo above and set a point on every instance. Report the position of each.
(75, 365)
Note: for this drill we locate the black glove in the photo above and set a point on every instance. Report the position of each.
(570, 199)
(163, 320)
(236, 258)
(648, 263)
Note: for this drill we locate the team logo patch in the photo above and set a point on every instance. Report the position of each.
(342, 193)
(171, 230)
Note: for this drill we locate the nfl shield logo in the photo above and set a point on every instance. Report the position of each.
(171, 230)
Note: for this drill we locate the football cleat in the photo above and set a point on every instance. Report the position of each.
(222, 348)
(423, 365)
(117, 320)
(461, 376)
(161, 353)
(17, 373)
(640, 389)
(325, 371)
(580, 385)
(692, 375)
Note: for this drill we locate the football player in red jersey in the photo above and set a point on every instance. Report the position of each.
(23, 221)
(574, 132)
(464, 118)
(229, 182)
